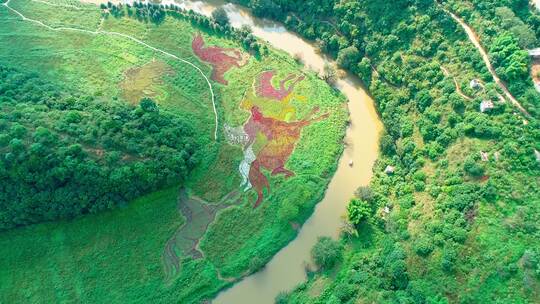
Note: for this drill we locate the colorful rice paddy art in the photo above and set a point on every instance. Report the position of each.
(271, 133)
(266, 89)
(221, 59)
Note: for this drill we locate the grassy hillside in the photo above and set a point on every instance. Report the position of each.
(172, 246)
(456, 220)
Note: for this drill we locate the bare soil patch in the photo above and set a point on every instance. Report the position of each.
(143, 81)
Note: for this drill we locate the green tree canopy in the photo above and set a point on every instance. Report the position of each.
(358, 211)
(326, 253)
(511, 61)
(348, 57)
(220, 16)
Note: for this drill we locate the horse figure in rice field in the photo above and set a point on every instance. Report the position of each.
(272, 131)
(272, 142)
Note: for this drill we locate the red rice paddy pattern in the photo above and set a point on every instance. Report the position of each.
(221, 59)
(275, 141)
(267, 90)
(268, 137)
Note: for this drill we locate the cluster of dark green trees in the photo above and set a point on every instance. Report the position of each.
(63, 154)
(142, 11)
(398, 48)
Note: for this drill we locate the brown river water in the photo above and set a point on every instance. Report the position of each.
(287, 267)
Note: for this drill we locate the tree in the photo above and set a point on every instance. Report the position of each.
(288, 211)
(348, 57)
(266, 8)
(387, 145)
(449, 258)
(148, 105)
(358, 211)
(344, 292)
(220, 16)
(518, 28)
(423, 246)
(364, 70)
(83, 154)
(329, 73)
(364, 193)
(512, 62)
(472, 168)
(395, 267)
(326, 253)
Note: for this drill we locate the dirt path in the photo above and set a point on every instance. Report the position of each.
(58, 5)
(476, 41)
(458, 89)
(140, 42)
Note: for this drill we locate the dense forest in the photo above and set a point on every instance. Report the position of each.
(63, 154)
(451, 215)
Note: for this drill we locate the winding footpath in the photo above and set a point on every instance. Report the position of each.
(476, 41)
(140, 42)
(458, 89)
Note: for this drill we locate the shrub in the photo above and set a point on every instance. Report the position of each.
(423, 246)
(281, 298)
(419, 186)
(473, 168)
(326, 253)
(344, 291)
(449, 257)
(148, 105)
(358, 211)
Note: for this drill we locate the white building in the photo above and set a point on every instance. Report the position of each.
(486, 105)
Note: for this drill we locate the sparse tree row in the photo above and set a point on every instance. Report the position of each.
(156, 13)
(458, 169)
(63, 154)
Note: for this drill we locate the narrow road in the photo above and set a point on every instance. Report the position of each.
(476, 41)
(102, 32)
(58, 5)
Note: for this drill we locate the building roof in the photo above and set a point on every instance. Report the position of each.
(534, 52)
(486, 105)
(484, 156)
